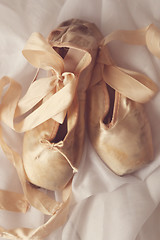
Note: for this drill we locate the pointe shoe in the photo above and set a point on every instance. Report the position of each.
(118, 127)
(52, 117)
(52, 151)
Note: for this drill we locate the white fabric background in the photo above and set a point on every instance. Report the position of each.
(104, 206)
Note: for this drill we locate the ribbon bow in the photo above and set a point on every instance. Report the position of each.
(57, 147)
(60, 89)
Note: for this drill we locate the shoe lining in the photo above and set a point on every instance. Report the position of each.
(108, 118)
(62, 129)
(62, 51)
(61, 133)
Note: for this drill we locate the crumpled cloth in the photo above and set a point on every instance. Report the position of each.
(104, 206)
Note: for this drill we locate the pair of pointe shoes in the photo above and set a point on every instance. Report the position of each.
(84, 90)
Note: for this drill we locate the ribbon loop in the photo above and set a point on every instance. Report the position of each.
(40, 54)
(133, 85)
(60, 94)
(153, 40)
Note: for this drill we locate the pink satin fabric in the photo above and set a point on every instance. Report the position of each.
(41, 55)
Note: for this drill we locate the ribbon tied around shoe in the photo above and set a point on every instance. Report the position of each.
(48, 97)
(133, 85)
(60, 88)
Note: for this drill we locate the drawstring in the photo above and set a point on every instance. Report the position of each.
(56, 147)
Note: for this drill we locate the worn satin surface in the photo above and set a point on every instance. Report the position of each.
(124, 144)
(51, 165)
(46, 164)
(100, 197)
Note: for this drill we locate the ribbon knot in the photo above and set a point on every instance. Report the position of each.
(60, 78)
(51, 145)
(59, 89)
(57, 147)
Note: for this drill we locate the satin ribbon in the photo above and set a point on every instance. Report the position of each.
(41, 55)
(133, 85)
(60, 91)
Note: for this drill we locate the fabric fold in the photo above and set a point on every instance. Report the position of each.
(43, 56)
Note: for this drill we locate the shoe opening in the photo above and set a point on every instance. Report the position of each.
(108, 118)
(61, 133)
(62, 51)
